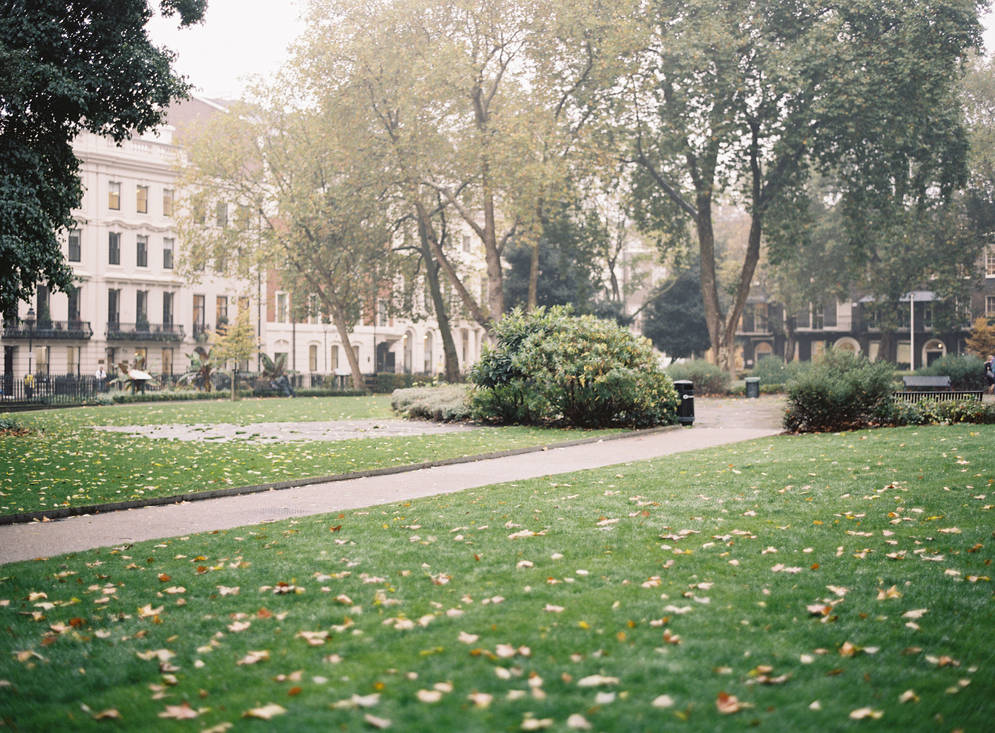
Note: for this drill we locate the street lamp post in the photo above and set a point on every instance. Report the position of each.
(31, 333)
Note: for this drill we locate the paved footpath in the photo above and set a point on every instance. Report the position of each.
(721, 422)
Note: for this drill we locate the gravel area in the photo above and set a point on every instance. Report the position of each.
(710, 412)
(289, 431)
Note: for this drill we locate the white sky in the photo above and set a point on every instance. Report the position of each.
(240, 39)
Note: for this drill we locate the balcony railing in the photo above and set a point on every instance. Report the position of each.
(201, 330)
(144, 331)
(43, 330)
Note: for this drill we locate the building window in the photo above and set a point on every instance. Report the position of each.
(114, 195)
(312, 358)
(167, 253)
(42, 354)
(334, 360)
(167, 202)
(114, 248)
(167, 310)
(142, 356)
(990, 261)
(282, 308)
(221, 215)
(114, 306)
(428, 352)
(142, 250)
(242, 217)
(198, 314)
(142, 310)
(142, 199)
(75, 250)
(990, 306)
(43, 307)
(167, 362)
(221, 312)
(73, 360)
(829, 315)
(73, 305)
(818, 311)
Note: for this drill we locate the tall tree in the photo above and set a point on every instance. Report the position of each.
(310, 208)
(68, 66)
(675, 317)
(742, 100)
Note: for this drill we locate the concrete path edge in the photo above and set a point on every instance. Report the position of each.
(88, 509)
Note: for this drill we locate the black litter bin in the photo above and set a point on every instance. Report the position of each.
(685, 408)
(753, 387)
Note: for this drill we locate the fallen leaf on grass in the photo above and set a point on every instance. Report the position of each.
(663, 701)
(480, 699)
(313, 638)
(908, 696)
(596, 679)
(109, 714)
(728, 704)
(861, 713)
(266, 712)
(253, 657)
(179, 712)
(376, 722)
(429, 696)
(578, 722)
(536, 723)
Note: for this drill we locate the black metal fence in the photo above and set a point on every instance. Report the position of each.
(67, 389)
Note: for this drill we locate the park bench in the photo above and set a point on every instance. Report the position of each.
(918, 389)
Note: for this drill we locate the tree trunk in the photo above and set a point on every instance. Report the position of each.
(533, 278)
(343, 330)
(450, 356)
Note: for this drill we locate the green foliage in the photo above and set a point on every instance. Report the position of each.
(842, 391)
(203, 362)
(707, 377)
(773, 371)
(675, 317)
(965, 372)
(568, 262)
(9, 425)
(982, 339)
(86, 66)
(444, 403)
(552, 367)
(934, 412)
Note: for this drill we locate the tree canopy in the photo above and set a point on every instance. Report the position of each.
(68, 66)
(742, 101)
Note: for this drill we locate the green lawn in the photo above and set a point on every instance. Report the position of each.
(799, 582)
(64, 462)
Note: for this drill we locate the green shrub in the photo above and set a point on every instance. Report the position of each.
(933, 412)
(772, 371)
(553, 367)
(965, 372)
(444, 403)
(707, 377)
(9, 425)
(842, 391)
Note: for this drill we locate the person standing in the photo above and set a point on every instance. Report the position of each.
(101, 376)
(990, 374)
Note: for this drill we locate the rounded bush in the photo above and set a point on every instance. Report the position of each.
(708, 378)
(549, 366)
(842, 391)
